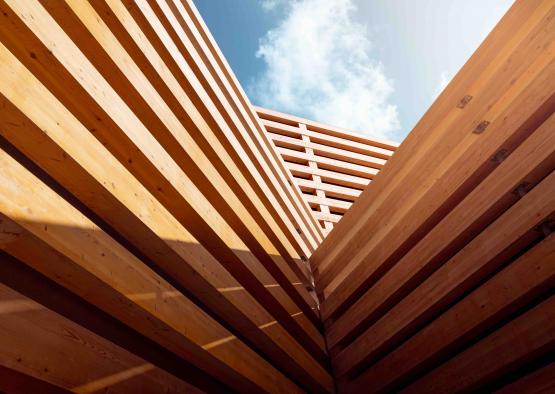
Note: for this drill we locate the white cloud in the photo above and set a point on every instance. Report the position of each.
(269, 5)
(319, 65)
(443, 82)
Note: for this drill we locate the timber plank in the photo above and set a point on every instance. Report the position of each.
(539, 381)
(325, 150)
(134, 212)
(331, 190)
(502, 352)
(258, 134)
(339, 205)
(276, 116)
(77, 359)
(186, 17)
(327, 163)
(523, 280)
(520, 110)
(480, 257)
(214, 113)
(88, 262)
(329, 176)
(468, 81)
(154, 167)
(151, 112)
(529, 163)
(320, 138)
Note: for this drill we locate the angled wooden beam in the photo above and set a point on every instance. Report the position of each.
(528, 165)
(504, 351)
(483, 255)
(530, 277)
(441, 126)
(101, 109)
(525, 105)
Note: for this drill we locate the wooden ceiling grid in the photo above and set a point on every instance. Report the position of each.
(158, 233)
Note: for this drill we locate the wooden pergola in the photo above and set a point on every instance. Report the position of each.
(160, 234)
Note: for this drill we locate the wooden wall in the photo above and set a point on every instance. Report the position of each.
(157, 238)
(330, 165)
(441, 276)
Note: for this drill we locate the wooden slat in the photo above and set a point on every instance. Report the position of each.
(327, 151)
(259, 136)
(200, 243)
(539, 381)
(305, 151)
(339, 205)
(526, 104)
(172, 256)
(173, 142)
(454, 278)
(39, 343)
(51, 295)
(56, 239)
(175, 22)
(12, 381)
(526, 166)
(127, 131)
(433, 130)
(331, 190)
(502, 352)
(328, 164)
(279, 117)
(175, 258)
(529, 276)
(329, 176)
(320, 138)
(330, 217)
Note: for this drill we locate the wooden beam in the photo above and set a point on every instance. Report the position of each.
(412, 212)
(504, 351)
(528, 165)
(524, 280)
(327, 151)
(349, 145)
(483, 255)
(339, 205)
(328, 164)
(37, 343)
(37, 287)
(88, 262)
(276, 116)
(176, 254)
(123, 133)
(539, 381)
(441, 127)
(259, 136)
(331, 190)
(329, 176)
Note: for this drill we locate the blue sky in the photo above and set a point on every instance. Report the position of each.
(373, 66)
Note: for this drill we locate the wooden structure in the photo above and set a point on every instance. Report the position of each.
(137, 178)
(440, 278)
(153, 240)
(330, 165)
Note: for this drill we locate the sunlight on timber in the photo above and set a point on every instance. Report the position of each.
(110, 380)
(154, 295)
(219, 342)
(239, 288)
